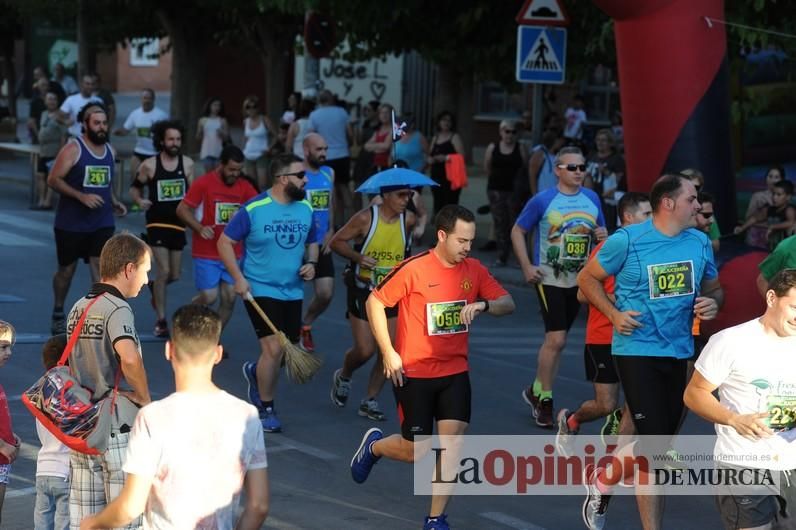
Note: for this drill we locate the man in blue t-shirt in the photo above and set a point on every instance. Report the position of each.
(567, 220)
(320, 194)
(276, 229)
(665, 275)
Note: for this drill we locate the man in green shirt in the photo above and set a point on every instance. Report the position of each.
(783, 257)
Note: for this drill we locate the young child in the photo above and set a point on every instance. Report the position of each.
(9, 442)
(779, 218)
(184, 473)
(52, 463)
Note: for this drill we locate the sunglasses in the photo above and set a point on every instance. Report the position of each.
(572, 167)
(706, 215)
(250, 106)
(297, 174)
(510, 131)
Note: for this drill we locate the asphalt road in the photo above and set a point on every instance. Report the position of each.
(310, 481)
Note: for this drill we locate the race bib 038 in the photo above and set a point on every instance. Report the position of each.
(225, 211)
(575, 247)
(671, 279)
(97, 177)
(445, 318)
(171, 190)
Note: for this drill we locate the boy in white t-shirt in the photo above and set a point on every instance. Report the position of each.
(52, 463)
(753, 366)
(182, 473)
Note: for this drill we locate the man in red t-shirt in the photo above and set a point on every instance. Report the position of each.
(438, 293)
(207, 208)
(633, 208)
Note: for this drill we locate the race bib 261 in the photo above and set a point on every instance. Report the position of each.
(97, 177)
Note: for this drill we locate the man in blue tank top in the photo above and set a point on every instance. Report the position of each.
(82, 173)
(320, 194)
(276, 229)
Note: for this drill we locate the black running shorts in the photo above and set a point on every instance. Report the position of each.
(284, 314)
(422, 401)
(559, 306)
(355, 304)
(170, 238)
(599, 364)
(71, 246)
(325, 266)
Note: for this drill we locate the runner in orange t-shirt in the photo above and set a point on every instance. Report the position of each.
(633, 208)
(439, 293)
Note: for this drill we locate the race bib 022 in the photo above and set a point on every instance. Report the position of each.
(445, 318)
(171, 190)
(97, 177)
(671, 279)
(225, 211)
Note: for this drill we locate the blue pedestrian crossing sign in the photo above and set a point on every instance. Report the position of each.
(541, 54)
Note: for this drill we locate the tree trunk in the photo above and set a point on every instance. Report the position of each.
(84, 65)
(276, 68)
(188, 76)
(455, 94)
(447, 96)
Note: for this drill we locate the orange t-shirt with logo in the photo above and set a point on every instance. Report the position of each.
(599, 329)
(430, 337)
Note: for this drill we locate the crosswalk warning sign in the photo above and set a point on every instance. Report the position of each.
(541, 54)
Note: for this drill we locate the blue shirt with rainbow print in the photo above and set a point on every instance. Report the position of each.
(564, 232)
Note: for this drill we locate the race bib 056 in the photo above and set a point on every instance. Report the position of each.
(445, 318)
(225, 211)
(171, 190)
(671, 279)
(97, 177)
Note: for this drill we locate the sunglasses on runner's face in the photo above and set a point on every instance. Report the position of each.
(509, 131)
(297, 174)
(572, 167)
(706, 215)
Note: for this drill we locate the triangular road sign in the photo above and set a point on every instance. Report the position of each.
(543, 13)
(542, 56)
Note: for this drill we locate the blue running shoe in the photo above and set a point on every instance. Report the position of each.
(270, 420)
(250, 374)
(364, 458)
(439, 522)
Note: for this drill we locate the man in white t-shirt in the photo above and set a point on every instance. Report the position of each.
(72, 104)
(575, 118)
(752, 366)
(183, 473)
(140, 121)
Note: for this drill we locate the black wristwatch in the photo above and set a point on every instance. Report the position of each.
(486, 306)
(313, 263)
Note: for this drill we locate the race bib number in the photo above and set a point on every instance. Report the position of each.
(575, 247)
(142, 132)
(379, 273)
(319, 199)
(171, 190)
(97, 177)
(225, 211)
(445, 318)
(781, 412)
(671, 279)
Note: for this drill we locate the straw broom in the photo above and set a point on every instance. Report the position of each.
(301, 365)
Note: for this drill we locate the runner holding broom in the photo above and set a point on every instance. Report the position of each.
(275, 227)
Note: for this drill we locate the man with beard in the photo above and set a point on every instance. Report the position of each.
(440, 293)
(275, 227)
(207, 208)
(82, 174)
(141, 121)
(320, 187)
(166, 177)
(381, 236)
